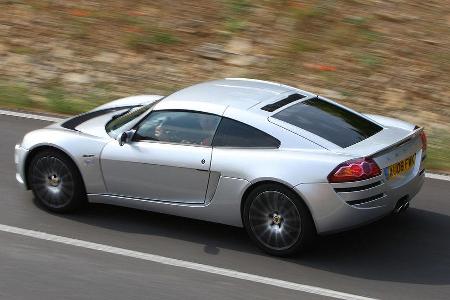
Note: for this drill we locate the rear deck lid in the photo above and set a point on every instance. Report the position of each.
(384, 141)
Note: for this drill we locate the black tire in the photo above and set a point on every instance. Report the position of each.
(277, 220)
(56, 182)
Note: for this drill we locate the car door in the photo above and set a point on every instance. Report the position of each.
(168, 158)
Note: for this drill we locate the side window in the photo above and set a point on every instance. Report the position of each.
(181, 127)
(232, 133)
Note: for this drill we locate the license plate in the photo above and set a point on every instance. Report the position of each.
(401, 167)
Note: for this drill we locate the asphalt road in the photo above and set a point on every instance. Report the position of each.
(407, 257)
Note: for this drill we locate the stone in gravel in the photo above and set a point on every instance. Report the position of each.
(103, 77)
(211, 51)
(61, 52)
(107, 57)
(379, 78)
(192, 27)
(394, 98)
(17, 59)
(4, 30)
(240, 52)
(3, 48)
(432, 42)
(334, 95)
(43, 73)
(395, 17)
(239, 46)
(241, 60)
(77, 78)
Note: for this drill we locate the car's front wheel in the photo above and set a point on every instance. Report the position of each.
(277, 220)
(56, 182)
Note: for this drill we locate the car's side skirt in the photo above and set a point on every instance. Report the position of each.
(224, 208)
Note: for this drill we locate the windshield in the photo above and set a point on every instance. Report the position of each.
(119, 121)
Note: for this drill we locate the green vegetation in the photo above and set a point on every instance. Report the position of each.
(304, 45)
(24, 50)
(441, 60)
(149, 38)
(239, 6)
(163, 38)
(14, 95)
(438, 154)
(236, 13)
(58, 101)
(234, 25)
(78, 27)
(370, 60)
(54, 99)
(356, 20)
(306, 13)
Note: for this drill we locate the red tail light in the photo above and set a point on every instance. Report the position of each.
(423, 137)
(354, 170)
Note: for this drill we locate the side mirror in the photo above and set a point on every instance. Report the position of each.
(125, 137)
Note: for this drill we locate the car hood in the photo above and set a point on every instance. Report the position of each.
(93, 122)
(130, 101)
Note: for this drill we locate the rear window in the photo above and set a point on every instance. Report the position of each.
(329, 121)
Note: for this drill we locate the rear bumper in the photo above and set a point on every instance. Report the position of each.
(332, 212)
(19, 159)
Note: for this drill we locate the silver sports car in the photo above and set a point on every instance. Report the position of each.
(281, 162)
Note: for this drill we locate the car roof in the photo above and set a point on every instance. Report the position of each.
(240, 93)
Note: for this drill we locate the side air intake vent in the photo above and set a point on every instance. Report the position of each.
(274, 106)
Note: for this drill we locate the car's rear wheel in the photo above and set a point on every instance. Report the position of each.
(56, 182)
(277, 220)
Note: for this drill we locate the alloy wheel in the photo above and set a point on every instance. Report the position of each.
(275, 220)
(52, 181)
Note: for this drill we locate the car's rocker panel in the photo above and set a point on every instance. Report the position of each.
(224, 208)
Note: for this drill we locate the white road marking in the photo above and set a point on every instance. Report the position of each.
(29, 116)
(438, 176)
(182, 264)
(53, 119)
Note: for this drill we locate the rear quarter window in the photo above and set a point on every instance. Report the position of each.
(329, 121)
(231, 133)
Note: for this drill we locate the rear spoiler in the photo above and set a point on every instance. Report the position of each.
(415, 133)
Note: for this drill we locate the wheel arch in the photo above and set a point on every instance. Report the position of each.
(39, 148)
(259, 183)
